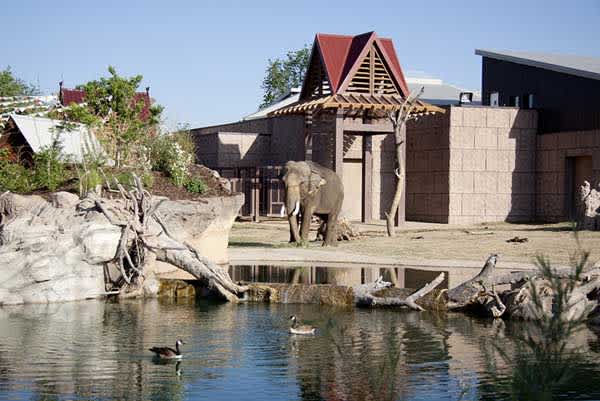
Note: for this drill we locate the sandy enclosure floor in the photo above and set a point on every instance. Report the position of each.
(438, 241)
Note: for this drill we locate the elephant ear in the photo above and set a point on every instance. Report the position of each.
(315, 182)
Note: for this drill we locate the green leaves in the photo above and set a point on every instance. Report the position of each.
(13, 86)
(284, 74)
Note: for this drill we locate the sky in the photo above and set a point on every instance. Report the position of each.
(205, 60)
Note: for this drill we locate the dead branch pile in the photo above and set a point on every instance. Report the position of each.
(145, 237)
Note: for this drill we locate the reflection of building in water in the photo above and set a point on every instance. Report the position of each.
(349, 276)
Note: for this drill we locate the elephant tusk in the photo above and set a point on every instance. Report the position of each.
(282, 211)
(296, 209)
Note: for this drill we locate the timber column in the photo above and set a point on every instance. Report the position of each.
(338, 143)
(367, 195)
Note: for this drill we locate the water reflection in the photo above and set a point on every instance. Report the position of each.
(400, 277)
(93, 350)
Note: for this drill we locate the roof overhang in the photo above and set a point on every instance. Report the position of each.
(355, 101)
(513, 58)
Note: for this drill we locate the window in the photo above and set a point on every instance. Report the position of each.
(514, 101)
(528, 101)
(494, 99)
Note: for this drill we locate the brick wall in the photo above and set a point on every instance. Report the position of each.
(471, 165)
(492, 164)
(552, 181)
(427, 169)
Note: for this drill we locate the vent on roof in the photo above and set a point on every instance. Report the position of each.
(373, 76)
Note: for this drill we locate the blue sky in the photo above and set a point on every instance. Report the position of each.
(205, 60)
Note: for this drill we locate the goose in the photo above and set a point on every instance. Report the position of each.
(300, 329)
(168, 352)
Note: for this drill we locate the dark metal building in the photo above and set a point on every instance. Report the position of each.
(564, 89)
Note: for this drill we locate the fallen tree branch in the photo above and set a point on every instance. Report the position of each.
(364, 294)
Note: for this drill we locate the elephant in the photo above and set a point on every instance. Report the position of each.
(312, 189)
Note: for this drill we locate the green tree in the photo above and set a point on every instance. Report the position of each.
(115, 113)
(282, 74)
(13, 86)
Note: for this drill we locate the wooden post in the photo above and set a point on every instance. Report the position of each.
(367, 195)
(256, 194)
(308, 121)
(338, 144)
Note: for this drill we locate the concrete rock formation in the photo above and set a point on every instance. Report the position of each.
(59, 250)
(588, 216)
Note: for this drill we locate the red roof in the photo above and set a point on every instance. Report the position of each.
(342, 54)
(70, 96)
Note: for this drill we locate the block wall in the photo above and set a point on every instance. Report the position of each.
(492, 164)
(552, 181)
(427, 169)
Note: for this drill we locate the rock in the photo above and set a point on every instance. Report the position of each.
(58, 251)
(64, 200)
(588, 215)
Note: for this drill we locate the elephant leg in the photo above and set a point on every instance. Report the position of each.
(295, 235)
(305, 228)
(331, 232)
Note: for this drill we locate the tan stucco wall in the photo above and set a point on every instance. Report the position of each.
(551, 164)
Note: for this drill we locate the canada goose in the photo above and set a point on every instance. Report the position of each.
(168, 352)
(298, 329)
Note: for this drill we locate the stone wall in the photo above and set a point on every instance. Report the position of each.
(492, 164)
(427, 169)
(553, 182)
(474, 164)
(265, 141)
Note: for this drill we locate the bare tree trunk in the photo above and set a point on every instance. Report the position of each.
(399, 119)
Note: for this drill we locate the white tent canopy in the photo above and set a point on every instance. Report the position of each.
(40, 132)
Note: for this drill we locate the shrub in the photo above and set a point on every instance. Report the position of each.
(195, 185)
(14, 176)
(169, 156)
(49, 169)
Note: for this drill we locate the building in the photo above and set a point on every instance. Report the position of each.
(564, 90)
(518, 153)
(339, 119)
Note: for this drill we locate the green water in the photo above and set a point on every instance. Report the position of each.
(97, 350)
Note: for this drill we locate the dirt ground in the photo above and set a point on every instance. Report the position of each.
(558, 242)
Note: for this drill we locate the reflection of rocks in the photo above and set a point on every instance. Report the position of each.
(323, 294)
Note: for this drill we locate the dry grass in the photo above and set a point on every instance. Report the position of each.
(441, 242)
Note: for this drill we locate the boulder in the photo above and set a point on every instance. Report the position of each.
(59, 250)
(588, 216)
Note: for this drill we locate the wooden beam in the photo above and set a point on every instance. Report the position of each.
(384, 128)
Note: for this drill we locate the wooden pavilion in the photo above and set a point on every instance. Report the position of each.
(351, 85)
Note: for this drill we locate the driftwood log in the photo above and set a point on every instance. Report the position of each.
(144, 234)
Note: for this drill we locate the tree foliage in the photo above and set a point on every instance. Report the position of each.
(115, 112)
(13, 86)
(282, 74)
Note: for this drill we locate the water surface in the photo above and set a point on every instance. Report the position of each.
(98, 350)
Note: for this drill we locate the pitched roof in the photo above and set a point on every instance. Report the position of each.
(77, 96)
(437, 92)
(587, 67)
(342, 54)
(39, 133)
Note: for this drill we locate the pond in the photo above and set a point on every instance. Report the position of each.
(98, 350)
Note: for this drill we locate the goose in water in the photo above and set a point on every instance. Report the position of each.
(168, 352)
(300, 329)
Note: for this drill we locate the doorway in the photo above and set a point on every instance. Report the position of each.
(579, 169)
(353, 188)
